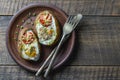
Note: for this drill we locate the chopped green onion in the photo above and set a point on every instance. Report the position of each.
(22, 27)
(23, 20)
(16, 32)
(28, 22)
(32, 23)
(29, 14)
(15, 39)
(17, 26)
(34, 14)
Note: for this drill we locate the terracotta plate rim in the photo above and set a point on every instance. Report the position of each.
(20, 12)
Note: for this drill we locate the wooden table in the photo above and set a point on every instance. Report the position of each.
(97, 50)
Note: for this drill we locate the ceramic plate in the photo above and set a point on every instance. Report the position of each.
(19, 19)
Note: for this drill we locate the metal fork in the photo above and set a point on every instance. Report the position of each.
(69, 26)
(47, 60)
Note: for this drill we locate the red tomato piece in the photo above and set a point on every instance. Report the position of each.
(28, 37)
(46, 19)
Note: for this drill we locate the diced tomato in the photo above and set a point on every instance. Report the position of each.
(42, 21)
(46, 19)
(28, 37)
(24, 41)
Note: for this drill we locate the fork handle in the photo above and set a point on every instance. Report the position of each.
(53, 58)
(48, 58)
(42, 67)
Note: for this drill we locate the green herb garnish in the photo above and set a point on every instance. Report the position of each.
(28, 22)
(29, 14)
(23, 20)
(32, 23)
(17, 26)
(16, 32)
(34, 14)
(21, 27)
(15, 39)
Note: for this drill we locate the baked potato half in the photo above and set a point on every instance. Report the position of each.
(28, 45)
(47, 28)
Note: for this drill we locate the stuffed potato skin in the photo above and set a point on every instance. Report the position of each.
(28, 45)
(47, 28)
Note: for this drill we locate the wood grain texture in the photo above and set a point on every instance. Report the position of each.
(97, 42)
(5, 58)
(69, 73)
(86, 7)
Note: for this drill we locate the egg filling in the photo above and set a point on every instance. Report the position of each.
(46, 28)
(29, 46)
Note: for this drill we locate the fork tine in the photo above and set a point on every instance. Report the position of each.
(75, 24)
(73, 20)
(67, 19)
(77, 21)
(70, 19)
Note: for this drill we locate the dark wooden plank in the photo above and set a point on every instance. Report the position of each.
(5, 58)
(97, 41)
(69, 73)
(86, 7)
